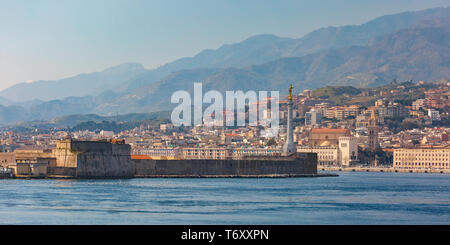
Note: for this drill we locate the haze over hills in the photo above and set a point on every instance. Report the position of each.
(80, 85)
(255, 50)
(264, 48)
(411, 45)
(418, 53)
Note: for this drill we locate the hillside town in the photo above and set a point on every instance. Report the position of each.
(401, 125)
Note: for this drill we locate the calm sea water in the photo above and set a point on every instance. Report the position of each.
(351, 198)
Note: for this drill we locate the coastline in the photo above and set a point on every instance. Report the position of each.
(384, 169)
(322, 172)
(263, 176)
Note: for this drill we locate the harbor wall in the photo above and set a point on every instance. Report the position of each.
(301, 164)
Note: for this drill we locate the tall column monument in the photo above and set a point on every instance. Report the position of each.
(289, 147)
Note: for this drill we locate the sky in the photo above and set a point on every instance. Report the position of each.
(54, 39)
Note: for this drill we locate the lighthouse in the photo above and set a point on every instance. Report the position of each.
(289, 147)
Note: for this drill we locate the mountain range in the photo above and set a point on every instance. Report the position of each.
(405, 46)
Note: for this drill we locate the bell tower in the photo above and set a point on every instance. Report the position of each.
(373, 131)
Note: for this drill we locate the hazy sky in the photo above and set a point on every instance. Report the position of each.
(53, 39)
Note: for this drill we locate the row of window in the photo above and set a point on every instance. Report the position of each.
(424, 159)
(423, 154)
(422, 164)
(325, 157)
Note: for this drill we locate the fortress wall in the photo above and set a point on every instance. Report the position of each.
(95, 159)
(121, 149)
(115, 164)
(65, 157)
(106, 160)
(303, 164)
(92, 146)
(62, 171)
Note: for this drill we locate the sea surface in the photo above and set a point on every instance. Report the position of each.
(351, 198)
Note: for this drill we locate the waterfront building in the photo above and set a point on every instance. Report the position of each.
(348, 151)
(327, 136)
(205, 153)
(343, 153)
(160, 152)
(326, 155)
(238, 153)
(30, 168)
(422, 158)
(7, 158)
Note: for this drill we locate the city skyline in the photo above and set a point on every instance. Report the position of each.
(224, 113)
(92, 37)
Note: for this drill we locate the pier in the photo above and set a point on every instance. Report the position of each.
(384, 169)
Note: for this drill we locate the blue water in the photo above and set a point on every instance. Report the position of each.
(351, 198)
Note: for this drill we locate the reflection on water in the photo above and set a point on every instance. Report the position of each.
(352, 198)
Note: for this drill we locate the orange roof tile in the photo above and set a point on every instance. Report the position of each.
(140, 157)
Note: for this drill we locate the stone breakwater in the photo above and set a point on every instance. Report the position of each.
(86, 159)
(386, 169)
(299, 165)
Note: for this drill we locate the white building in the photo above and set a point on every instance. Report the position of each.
(348, 148)
(422, 158)
(165, 127)
(343, 154)
(160, 152)
(326, 155)
(313, 117)
(433, 114)
(107, 134)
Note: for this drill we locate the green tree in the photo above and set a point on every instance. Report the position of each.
(271, 142)
(409, 123)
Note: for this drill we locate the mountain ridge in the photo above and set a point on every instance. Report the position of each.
(255, 50)
(417, 52)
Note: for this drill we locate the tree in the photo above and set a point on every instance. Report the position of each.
(409, 123)
(271, 142)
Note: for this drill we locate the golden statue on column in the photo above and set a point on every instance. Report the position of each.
(290, 93)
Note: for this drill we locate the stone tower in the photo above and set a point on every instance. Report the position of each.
(289, 147)
(373, 131)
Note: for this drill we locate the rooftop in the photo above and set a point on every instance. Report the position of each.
(330, 130)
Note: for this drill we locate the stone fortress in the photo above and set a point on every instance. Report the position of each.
(94, 159)
(112, 159)
(74, 159)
